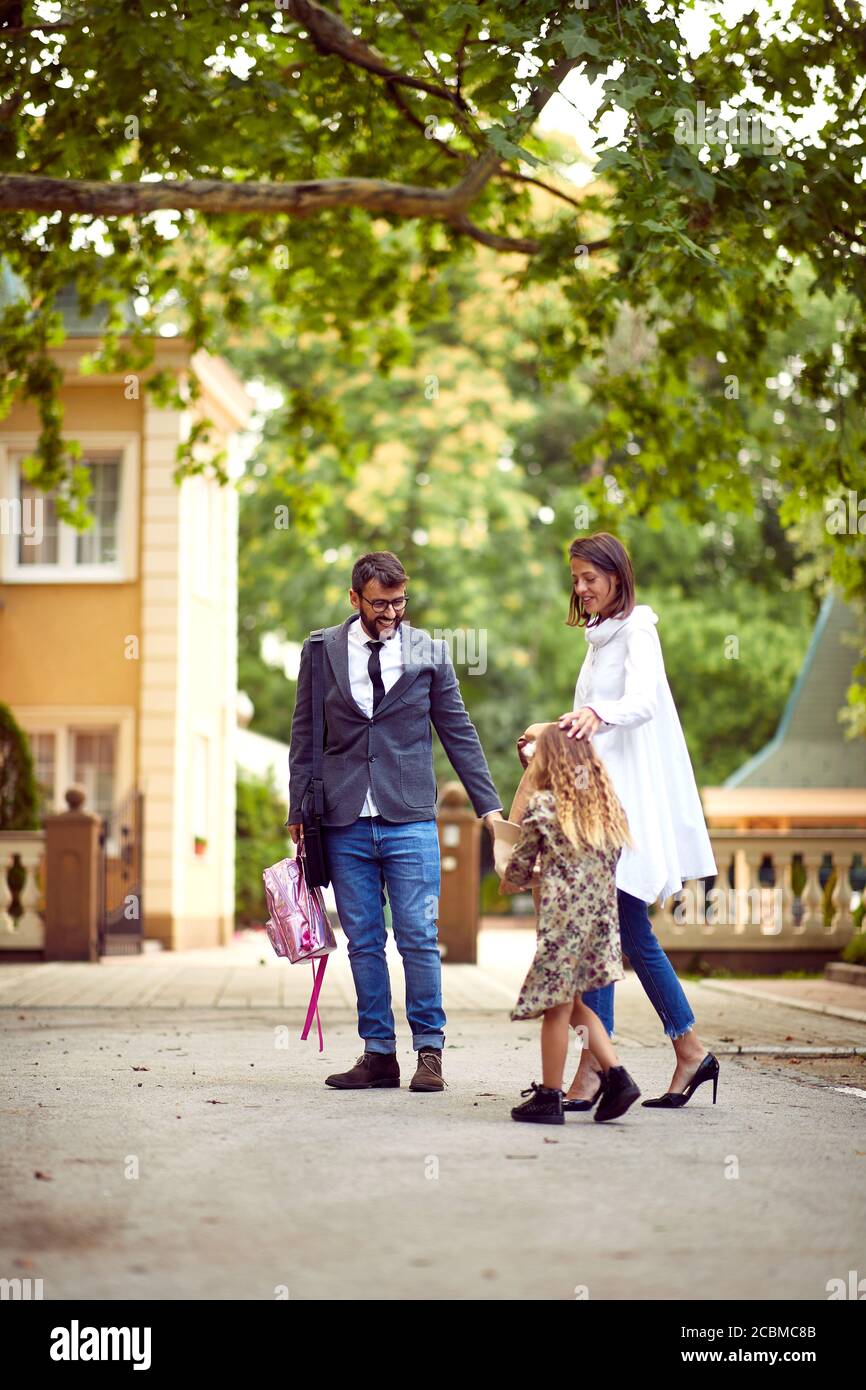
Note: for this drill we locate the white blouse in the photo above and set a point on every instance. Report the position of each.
(643, 748)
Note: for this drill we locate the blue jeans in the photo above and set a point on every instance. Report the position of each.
(652, 967)
(364, 858)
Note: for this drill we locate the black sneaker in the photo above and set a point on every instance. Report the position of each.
(543, 1108)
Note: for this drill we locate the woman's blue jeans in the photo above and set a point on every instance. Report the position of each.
(365, 858)
(652, 967)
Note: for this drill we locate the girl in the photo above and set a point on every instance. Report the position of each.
(577, 826)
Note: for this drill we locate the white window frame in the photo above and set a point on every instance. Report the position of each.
(121, 571)
(61, 721)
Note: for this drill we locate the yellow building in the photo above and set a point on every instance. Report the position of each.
(118, 644)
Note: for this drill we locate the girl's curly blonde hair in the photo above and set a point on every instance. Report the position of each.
(587, 807)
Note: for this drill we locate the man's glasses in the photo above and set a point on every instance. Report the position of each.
(379, 605)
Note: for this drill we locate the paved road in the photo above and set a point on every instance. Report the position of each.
(172, 1150)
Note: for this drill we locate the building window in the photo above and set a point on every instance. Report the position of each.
(43, 747)
(90, 745)
(39, 534)
(93, 762)
(98, 546)
(37, 547)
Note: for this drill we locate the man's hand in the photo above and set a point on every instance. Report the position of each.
(489, 821)
(580, 723)
(296, 831)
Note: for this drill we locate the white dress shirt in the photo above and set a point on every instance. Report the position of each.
(391, 665)
(643, 748)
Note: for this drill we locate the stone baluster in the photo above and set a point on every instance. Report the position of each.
(749, 908)
(785, 882)
(840, 899)
(21, 852)
(813, 917)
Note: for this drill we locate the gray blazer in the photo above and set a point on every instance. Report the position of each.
(393, 751)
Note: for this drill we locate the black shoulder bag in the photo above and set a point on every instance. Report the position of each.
(313, 804)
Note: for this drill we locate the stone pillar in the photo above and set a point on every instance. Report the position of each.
(72, 869)
(459, 847)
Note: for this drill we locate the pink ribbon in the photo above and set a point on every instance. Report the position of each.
(318, 976)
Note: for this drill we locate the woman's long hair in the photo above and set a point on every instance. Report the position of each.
(610, 556)
(587, 807)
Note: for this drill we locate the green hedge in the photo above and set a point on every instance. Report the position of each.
(261, 840)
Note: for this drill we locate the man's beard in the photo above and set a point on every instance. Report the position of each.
(377, 626)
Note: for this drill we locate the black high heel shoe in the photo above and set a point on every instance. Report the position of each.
(673, 1100)
(620, 1091)
(568, 1104)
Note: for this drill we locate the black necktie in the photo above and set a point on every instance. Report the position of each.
(374, 670)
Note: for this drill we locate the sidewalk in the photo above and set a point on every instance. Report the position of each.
(815, 996)
(165, 1134)
(248, 975)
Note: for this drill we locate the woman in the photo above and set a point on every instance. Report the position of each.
(622, 699)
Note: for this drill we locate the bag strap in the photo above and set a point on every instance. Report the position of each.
(317, 650)
(313, 1009)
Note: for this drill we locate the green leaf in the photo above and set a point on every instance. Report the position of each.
(576, 41)
(507, 149)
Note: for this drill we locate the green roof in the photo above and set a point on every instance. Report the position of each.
(809, 748)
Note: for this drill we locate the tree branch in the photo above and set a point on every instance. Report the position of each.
(527, 245)
(25, 192)
(539, 183)
(406, 110)
(304, 198)
(330, 35)
(24, 31)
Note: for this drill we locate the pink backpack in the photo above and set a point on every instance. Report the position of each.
(298, 925)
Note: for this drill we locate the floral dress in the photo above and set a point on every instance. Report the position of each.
(578, 946)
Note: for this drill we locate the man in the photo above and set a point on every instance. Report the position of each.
(384, 681)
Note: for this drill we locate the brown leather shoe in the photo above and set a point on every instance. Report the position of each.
(428, 1075)
(373, 1071)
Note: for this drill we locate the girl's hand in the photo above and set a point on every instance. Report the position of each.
(506, 887)
(529, 735)
(581, 723)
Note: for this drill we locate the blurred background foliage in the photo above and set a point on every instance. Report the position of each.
(470, 478)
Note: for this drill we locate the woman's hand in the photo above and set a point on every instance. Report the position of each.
(581, 723)
(506, 887)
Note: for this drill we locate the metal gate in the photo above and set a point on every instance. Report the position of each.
(121, 919)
